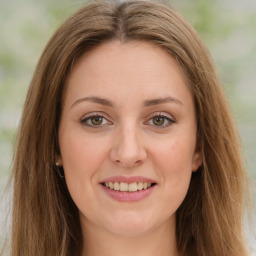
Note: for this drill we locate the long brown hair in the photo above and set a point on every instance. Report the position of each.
(45, 220)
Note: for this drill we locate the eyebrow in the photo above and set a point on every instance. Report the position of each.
(153, 102)
(146, 103)
(97, 100)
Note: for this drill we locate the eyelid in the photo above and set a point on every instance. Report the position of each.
(161, 113)
(94, 114)
(165, 115)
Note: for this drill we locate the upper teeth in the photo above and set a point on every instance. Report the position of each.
(124, 187)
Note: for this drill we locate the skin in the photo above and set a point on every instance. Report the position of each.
(128, 142)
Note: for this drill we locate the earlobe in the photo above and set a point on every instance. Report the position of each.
(197, 160)
(58, 160)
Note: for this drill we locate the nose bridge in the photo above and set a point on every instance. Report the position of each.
(128, 149)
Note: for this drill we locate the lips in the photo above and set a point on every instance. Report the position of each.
(128, 188)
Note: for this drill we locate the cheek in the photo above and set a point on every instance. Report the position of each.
(173, 161)
(174, 155)
(82, 157)
(81, 154)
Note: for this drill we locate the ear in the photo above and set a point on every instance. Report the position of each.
(197, 159)
(58, 160)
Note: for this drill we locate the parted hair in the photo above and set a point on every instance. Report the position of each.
(45, 220)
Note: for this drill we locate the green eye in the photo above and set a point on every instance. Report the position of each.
(96, 120)
(158, 120)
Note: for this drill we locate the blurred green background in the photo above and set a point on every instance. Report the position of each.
(228, 28)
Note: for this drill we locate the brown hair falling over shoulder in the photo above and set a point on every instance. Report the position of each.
(45, 220)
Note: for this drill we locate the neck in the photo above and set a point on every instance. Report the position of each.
(157, 242)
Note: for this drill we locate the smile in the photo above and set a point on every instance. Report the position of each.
(128, 187)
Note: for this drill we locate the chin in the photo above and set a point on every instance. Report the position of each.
(129, 230)
(131, 224)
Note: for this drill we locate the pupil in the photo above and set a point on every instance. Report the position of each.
(97, 120)
(158, 121)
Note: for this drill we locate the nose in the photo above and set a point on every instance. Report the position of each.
(128, 148)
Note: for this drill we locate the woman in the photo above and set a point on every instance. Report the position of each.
(126, 143)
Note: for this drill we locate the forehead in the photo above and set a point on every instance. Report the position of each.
(135, 68)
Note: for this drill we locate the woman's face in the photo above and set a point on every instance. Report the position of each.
(127, 138)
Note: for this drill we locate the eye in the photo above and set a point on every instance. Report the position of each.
(94, 121)
(160, 121)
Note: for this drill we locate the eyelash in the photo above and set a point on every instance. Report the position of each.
(89, 118)
(166, 118)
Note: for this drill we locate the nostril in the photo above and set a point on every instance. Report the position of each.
(127, 154)
(127, 163)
